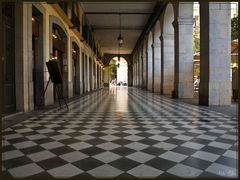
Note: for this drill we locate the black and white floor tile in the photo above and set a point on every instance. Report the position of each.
(122, 132)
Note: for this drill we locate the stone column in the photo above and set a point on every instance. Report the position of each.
(168, 63)
(144, 70)
(99, 80)
(134, 74)
(130, 72)
(96, 76)
(78, 74)
(161, 68)
(157, 67)
(183, 76)
(101, 76)
(23, 56)
(81, 70)
(86, 70)
(150, 69)
(140, 70)
(70, 71)
(137, 71)
(215, 53)
(91, 75)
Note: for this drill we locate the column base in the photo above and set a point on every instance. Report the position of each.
(184, 90)
(215, 93)
(167, 89)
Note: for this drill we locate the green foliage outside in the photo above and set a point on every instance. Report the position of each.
(234, 26)
(196, 43)
(196, 50)
(112, 67)
(197, 71)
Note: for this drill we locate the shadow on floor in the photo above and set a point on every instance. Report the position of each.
(10, 120)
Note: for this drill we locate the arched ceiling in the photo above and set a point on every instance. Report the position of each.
(104, 19)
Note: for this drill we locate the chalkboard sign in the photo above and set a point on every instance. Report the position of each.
(54, 71)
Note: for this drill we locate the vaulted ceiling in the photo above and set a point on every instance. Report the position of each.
(105, 19)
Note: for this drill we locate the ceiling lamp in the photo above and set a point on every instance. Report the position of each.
(120, 38)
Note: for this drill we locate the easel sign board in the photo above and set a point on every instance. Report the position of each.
(54, 71)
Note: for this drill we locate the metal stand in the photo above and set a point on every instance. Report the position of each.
(59, 94)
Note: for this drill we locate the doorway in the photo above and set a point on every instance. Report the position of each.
(9, 54)
(83, 73)
(90, 74)
(59, 40)
(76, 69)
(37, 55)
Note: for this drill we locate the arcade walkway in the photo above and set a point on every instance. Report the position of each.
(122, 132)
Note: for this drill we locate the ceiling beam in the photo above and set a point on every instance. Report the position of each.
(128, 13)
(121, 1)
(96, 28)
(160, 6)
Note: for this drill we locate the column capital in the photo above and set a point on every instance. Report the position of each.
(166, 36)
(150, 48)
(183, 21)
(161, 37)
(156, 45)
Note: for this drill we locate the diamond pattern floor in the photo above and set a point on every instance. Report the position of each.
(122, 132)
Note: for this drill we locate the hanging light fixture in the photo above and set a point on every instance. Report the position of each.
(118, 57)
(120, 38)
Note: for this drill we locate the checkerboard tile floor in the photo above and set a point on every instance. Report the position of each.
(122, 132)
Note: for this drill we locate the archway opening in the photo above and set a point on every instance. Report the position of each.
(59, 41)
(8, 30)
(118, 72)
(90, 73)
(234, 50)
(76, 68)
(37, 54)
(196, 48)
(168, 50)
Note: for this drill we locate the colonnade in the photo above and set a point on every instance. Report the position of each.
(88, 68)
(163, 61)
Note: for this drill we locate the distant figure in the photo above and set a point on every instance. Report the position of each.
(196, 83)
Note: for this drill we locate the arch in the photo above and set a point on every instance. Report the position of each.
(40, 8)
(168, 50)
(55, 20)
(38, 52)
(157, 32)
(109, 57)
(150, 62)
(74, 39)
(75, 63)
(150, 40)
(59, 48)
(121, 72)
(168, 19)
